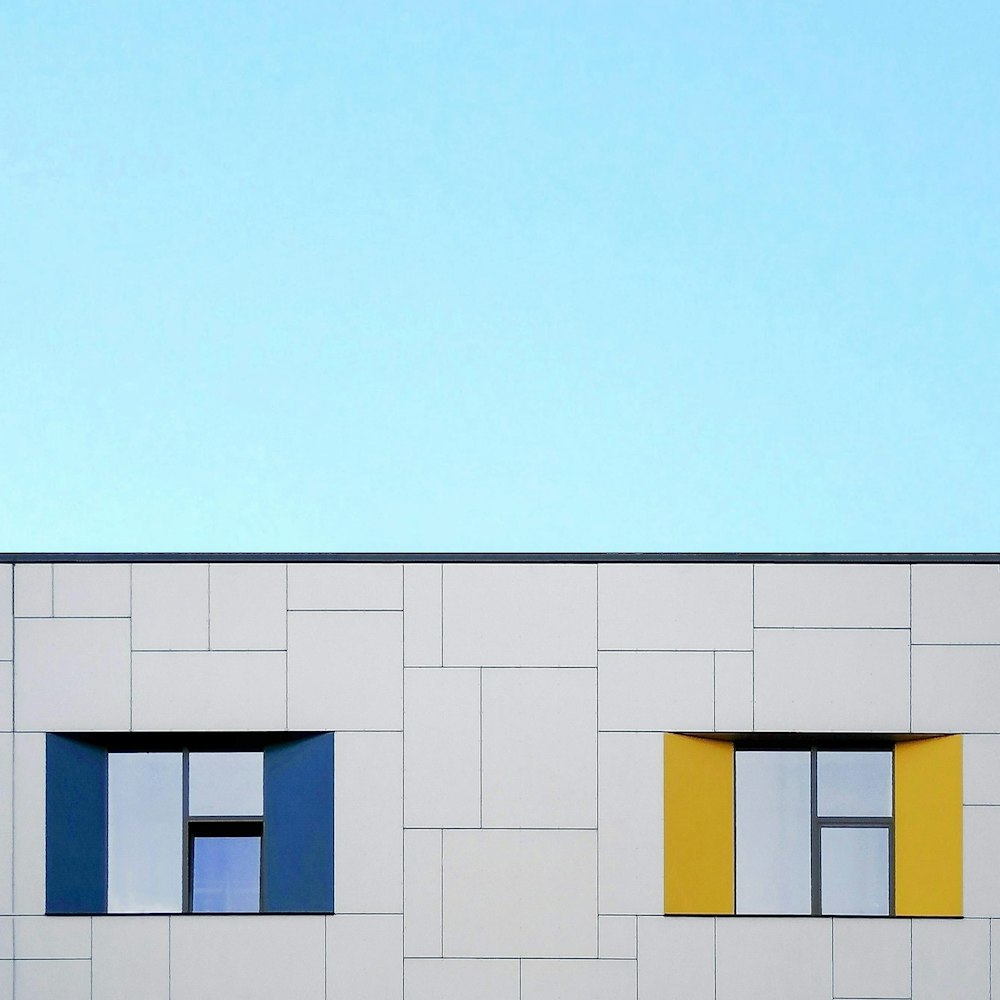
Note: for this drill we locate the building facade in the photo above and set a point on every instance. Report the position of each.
(662, 777)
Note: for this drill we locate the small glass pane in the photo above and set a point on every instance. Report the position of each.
(226, 784)
(226, 875)
(857, 783)
(773, 832)
(145, 832)
(855, 871)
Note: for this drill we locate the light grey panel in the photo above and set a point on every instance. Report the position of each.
(854, 783)
(145, 832)
(855, 871)
(226, 784)
(773, 832)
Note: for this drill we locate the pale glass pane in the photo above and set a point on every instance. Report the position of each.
(226, 784)
(857, 783)
(226, 876)
(773, 832)
(855, 871)
(145, 832)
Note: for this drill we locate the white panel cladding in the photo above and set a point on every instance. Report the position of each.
(871, 958)
(223, 691)
(51, 979)
(760, 958)
(520, 615)
(951, 959)
(345, 587)
(520, 892)
(345, 670)
(676, 606)
(72, 674)
(422, 871)
(981, 770)
(364, 957)
(577, 979)
(29, 823)
(442, 747)
(6, 611)
(33, 590)
(980, 871)
(247, 958)
(616, 937)
(733, 692)
(540, 748)
(630, 823)
(656, 691)
(92, 590)
(422, 621)
(461, 979)
(52, 937)
(6, 938)
(6, 980)
(131, 958)
(246, 605)
(368, 827)
(6, 828)
(170, 606)
(956, 604)
(831, 680)
(677, 958)
(956, 689)
(832, 595)
(6, 696)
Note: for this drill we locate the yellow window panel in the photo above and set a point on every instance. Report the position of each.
(928, 822)
(698, 834)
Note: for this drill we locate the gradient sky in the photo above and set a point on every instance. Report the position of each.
(499, 276)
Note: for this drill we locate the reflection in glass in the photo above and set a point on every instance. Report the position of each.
(225, 875)
(773, 832)
(855, 870)
(145, 832)
(226, 784)
(857, 783)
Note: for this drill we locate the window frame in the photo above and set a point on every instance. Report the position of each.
(79, 761)
(817, 823)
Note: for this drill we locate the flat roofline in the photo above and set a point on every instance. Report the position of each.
(501, 557)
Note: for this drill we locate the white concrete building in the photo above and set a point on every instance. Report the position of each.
(587, 777)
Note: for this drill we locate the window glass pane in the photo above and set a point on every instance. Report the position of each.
(855, 870)
(226, 784)
(773, 832)
(226, 875)
(854, 783)
(145, 832)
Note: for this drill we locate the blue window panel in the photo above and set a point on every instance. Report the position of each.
(298, 826)
(226, 875)
(76, 832)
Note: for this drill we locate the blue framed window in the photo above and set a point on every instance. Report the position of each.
(164, 823)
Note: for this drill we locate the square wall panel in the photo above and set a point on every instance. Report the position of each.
(520, 615)
(871, 959)
(169, 606)
(956, 604)
(247, 606)
(72, 674)
(345, 670)
(956, 689)
(509, 893)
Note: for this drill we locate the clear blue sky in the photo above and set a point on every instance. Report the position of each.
(499, 276)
